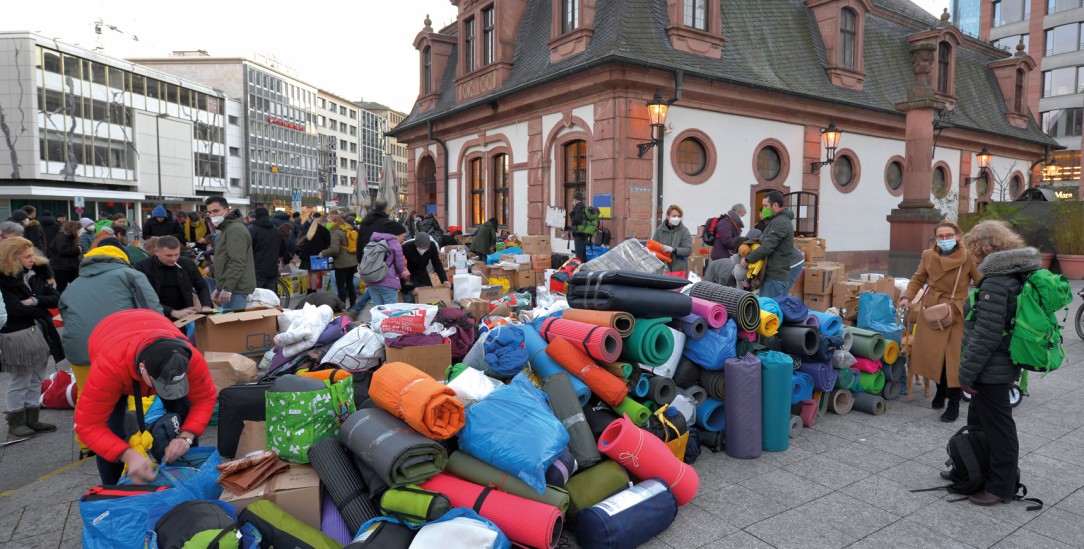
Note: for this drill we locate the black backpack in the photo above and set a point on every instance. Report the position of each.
(709, 230)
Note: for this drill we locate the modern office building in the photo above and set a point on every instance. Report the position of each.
(83, 128)
(966, 15)
(281, 150)
(373, 147)
(337, 124)
(396, 149)
(1052, 32)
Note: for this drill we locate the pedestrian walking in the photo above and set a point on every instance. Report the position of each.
(269, 247)
(64, 254)
(345, 259)
(235, 273)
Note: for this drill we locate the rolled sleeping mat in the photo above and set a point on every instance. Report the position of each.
(586, 488)
(856, 384)
(618, 320)
(844, 378)
(686, 374)
(622, 370)
(468, 467)
(695, 393)
(413, 504)
(769, 324)
(646, 456)
(595, 341)
(669, 366)
(873, 383)
(892, 352)
(651, 342)
(824, 375)
(799, 340)
(651, 406)
(776, 387)
(662, 390)
(545, 366)
(567, 409)
(795, 427)
(642, 387)
(639, 302)
(891, 390)
(808, 412)
(711, 415)
(638, 413)
(713, 313)
(867, 343)
(812, 321)
(686, 406)
(740, 305)
(599, 416)
(867, 365)
(743, 410)
(848, 341)
(562, 468)
(828, 324)
(714, 382)
(332, 523)
(412, 395)
(524, 521)
(840, 401)
(610, 388)
(870, 404)
(343, 482)
(399, 455)
(627, 278)
(628, 518)
(693, 326)
(802, 387)
(822, 403)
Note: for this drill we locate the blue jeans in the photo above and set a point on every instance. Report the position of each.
(382, 295)
(237, 301)
(795, 274)
(362, 300)
(773, 288)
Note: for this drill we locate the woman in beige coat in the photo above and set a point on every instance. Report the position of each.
(935, 354)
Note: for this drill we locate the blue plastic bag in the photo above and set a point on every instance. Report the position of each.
(514, 430)
(712, 350)
(876, 312)
(494, 258)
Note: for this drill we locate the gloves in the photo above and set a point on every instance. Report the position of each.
(667, 249)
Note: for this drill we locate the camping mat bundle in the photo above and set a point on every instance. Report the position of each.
(586, 488)
(468, 467)
(769, 324)
(414, 505)
(714, 382)
(642, 387)
(802, 387)
(412, 395)
(693, 326)
(622, 370)
(891, 390)
(743, 409)
(599, 416)
(618, 320)
(867, 365)
(396, 452)
(651, 342)
(545, 366)
(795, 426)
(793, 309)
(603, 384)
(695, 393)
(596, 341)
(827, 323)
(567, 409)
(686, 373)
(822, 403)
(661, 390)
(870, 404)
(711, 416)
(629, 518)
(845, 378)
(342, 481)
(712, 312)
(740, 305)
(892, 352)
(639, 302)
(867, 343)
(626, 278)
(645, 456)
(776, 386)
(637, 412)
(871, 383)
(798, 340)
(840, 401)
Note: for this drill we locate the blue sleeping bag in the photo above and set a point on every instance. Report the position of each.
(627, 519)
(505, 351)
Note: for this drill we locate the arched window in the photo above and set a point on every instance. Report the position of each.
(940, 182)
(1018, 105)
(427, 76)
(500, 189)
(477, 193)
(944, 64)
(575, 173)
(427, 181)
(1016, 186)
(847, 35)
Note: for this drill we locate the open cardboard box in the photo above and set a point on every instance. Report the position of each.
(248, 333)
(433, 295)
(230, 368)
(296, 490)
(431, 359)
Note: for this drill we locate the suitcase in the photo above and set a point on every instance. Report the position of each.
(237, 403)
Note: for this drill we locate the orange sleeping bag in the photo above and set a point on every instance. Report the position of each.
(656, 248)
(413, 396)
(610, 388)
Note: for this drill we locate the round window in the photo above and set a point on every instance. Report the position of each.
(843, 171)
(692, 158)
(768, 163)
(894, 176)
(1016, 186)
(940, 183)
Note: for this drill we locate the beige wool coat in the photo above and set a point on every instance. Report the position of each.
(934, 350)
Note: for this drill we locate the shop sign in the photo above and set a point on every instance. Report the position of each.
(285, 124)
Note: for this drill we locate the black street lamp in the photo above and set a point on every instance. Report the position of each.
(656, 112)
(830, 138)
(983, 158)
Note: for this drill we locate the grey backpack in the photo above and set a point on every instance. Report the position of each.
(374, 262)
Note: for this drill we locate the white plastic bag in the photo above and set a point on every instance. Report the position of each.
(381, 312)
(472, 385)
(466, 286)
(304, 328)
(358, 350)
(263, 297)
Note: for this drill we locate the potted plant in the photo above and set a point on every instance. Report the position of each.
(1068, 238)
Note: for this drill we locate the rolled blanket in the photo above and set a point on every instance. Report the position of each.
(740, 305)
(618, 320)
(398, 454)
(714, 313)
(608, 387)
(597, 342)
(829, 324)
(413, 396)
(505, 352)
(769, 324)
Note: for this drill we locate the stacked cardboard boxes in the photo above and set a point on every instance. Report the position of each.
(813, 248)
(818, 281)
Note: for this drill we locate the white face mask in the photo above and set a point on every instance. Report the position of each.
(675, 220)
(218, 219)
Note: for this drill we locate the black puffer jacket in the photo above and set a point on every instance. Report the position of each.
(64, 253)
(985, 357)
(268, 247)
(373, 222)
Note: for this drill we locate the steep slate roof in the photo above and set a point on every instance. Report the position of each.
(770, 44)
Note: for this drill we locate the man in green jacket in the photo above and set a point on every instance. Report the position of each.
(235, 269)
(776, 245)
(485, 238)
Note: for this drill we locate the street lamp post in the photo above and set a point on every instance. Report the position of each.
(830, 139)
(158, 150)
(656, 113)
(983, 158)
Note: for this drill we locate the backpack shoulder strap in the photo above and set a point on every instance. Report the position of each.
(137, 292)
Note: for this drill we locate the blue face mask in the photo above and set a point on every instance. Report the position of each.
(946, 245)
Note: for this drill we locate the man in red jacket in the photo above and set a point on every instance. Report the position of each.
(140, 352)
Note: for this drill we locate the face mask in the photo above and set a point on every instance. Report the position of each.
(329, 226)
(217, 219)
(675, 220)
(946, 244)
(766, 212)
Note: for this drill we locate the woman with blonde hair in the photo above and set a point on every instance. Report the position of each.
(948, 270)
(28, 337)
(986, 368)
(346, 262)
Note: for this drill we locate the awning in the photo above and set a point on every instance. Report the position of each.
(68, 193)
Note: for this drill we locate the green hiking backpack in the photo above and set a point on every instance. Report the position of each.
(590, 221)
(1036, 343)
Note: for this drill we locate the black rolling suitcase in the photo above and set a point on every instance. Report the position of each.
(236, 404)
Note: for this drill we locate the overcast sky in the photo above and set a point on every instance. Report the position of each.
(358, 49)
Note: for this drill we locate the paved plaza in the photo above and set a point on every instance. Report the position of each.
(844, 483)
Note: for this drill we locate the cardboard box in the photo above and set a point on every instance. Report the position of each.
(508, 258)
(491, 291)
(230, 368)
(253, 438)
(798, 289)
(887, 285)
(813, 248)
(523, 259)
(525, 279)
(533, 245)
(478, 308)
(434, 295)
(819, 277)
(296, 490)
(541, 262)
(698, 246)
(246, 333)
(697, 264)
(431, 359)
(845, 296)
(818, 302)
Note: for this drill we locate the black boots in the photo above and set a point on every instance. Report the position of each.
(17, 427)
(939, 397)
(952, 411)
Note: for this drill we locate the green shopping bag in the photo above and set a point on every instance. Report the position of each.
(296, 421)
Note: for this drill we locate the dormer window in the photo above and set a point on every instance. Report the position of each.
(847, 34)
(570, 15)
(487, 35)
(696, 14)
(944, 68)
(1012, 77)
(468, 45)
(427, 74)
(571, 28)
(696, 26)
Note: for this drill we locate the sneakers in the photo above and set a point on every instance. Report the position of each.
(986, 499)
